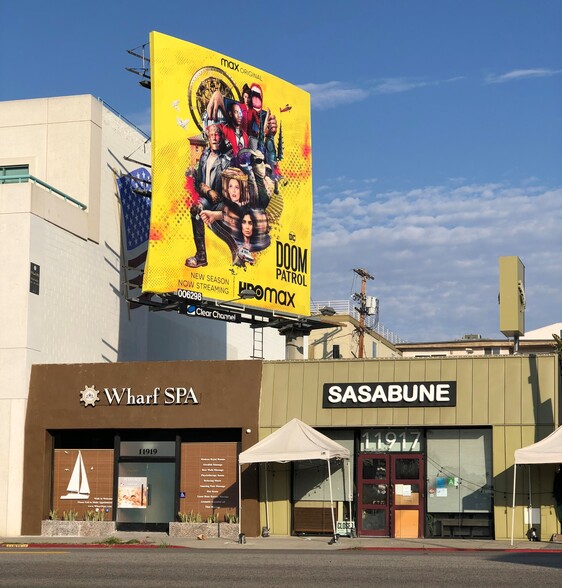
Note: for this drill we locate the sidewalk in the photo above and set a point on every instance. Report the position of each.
(287, 543)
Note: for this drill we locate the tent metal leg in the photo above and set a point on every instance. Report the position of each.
(240, 498)
(530, 516)
(332, 502)
(513, 501)
(266, 502)
(350, 493)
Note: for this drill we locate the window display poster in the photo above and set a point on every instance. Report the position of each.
(440, 486)
(132, 492)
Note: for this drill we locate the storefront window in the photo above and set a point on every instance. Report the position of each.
(311, 481)
(374, 468)
(407, 469)
(373, 520)
(311, 489)
(375, 493)
(459, 482)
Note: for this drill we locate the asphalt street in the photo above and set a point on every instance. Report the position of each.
(76, 567)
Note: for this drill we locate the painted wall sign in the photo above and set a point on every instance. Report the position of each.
(34, 278)
(209, 478)
(147, 449)
(403, 440)
(389, 394)
(83, 481)
(128, 397)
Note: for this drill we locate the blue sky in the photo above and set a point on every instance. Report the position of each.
(436, 132)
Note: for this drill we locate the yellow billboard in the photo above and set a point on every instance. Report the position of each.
(232, 180)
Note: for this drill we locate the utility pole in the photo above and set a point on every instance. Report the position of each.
(362, 309)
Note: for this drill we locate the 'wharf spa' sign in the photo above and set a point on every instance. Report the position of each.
(389, 394)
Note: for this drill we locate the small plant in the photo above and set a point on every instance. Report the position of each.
(94, 515)
(189, 517)
(214, 518)
(230, 518)
(69, 515)
(112, 541)
(163, 544)
(54, 515)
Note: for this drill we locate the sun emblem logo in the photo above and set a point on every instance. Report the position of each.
(89, 396)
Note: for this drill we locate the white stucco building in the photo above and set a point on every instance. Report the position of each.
(61, 271)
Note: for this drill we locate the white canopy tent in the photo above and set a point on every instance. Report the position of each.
(295, 441)
(548, 450)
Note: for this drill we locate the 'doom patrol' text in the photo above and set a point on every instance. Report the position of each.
(291, 262)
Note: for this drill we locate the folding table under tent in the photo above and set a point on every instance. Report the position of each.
(548, 450)
(295, 441)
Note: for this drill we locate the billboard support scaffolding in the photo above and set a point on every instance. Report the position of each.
(294, 328)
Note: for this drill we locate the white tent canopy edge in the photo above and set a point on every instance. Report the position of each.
(294, 441)
(547, 450)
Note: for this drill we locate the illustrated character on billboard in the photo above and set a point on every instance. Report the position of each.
(256, 118)
(246, 105)
(231, 175)
(224, 221)
(270, 151)
(253, 115)
(233, 132)
(208, 183)
(253, 232)
(259, 182)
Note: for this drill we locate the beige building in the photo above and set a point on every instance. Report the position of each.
(342, 340)
(538, 341)
(432, 442)
(419, 471)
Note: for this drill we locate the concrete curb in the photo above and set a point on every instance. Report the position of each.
(164, 541)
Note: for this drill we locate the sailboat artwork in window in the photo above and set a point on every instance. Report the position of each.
(78, 487)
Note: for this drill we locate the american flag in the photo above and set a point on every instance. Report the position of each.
(134, 192)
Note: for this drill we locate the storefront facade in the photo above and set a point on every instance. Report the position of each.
(431, 440)
(140, 442)
(441, 467)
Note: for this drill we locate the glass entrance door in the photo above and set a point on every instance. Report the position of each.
(389, 495)
(145, 496)
(373, 495)
(406, 503)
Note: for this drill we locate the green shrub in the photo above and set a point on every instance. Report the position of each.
(94, 515)
(111, 541)
(189, 517)
(69, 515)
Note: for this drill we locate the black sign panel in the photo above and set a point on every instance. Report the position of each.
(215, 313)
(34, 271)
(389, 394)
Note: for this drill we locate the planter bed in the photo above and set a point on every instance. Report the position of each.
(77, 528)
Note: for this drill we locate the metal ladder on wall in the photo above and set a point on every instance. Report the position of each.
(257, 352)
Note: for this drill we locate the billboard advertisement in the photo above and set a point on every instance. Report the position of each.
(232, 180)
